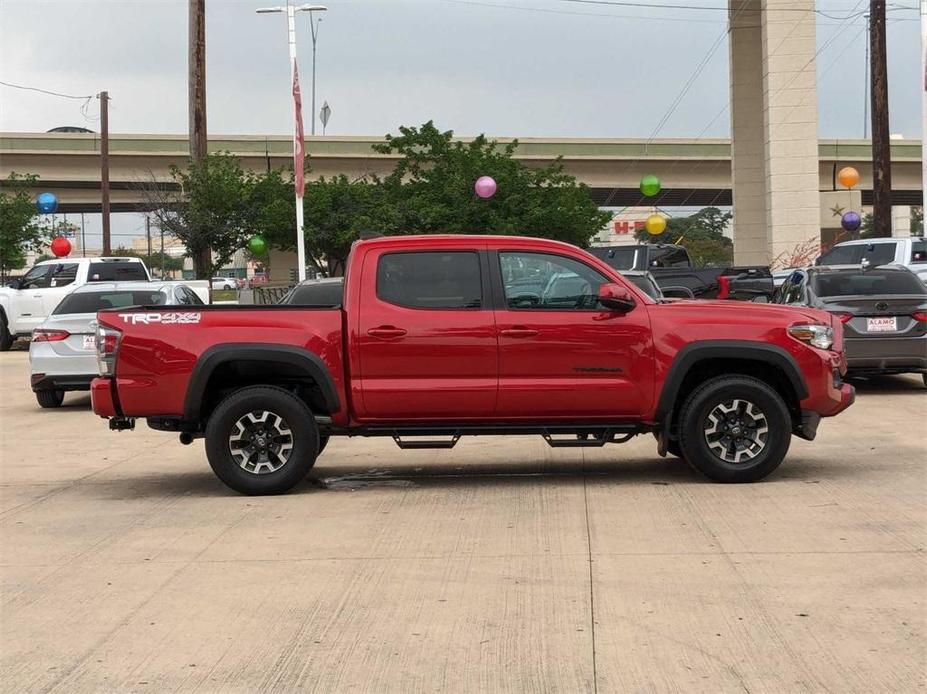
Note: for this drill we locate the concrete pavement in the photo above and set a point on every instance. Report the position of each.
(502, 565)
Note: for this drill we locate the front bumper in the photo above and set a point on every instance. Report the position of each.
(41, 381)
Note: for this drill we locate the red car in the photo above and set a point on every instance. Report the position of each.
(443, 336)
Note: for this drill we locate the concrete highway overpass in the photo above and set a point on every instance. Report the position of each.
(693, 172)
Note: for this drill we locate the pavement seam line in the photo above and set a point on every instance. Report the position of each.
(595, 674)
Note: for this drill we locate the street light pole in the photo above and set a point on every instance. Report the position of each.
(314, 28)
(297, 144)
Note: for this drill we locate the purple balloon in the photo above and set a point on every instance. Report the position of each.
(851, 221)
(485, 186)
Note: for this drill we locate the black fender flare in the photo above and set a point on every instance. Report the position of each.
(694, 352)
(308, 362)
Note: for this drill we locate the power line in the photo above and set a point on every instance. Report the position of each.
(715, 8)
(44, 91)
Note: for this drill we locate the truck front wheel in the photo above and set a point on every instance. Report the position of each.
(734, 429)
(261, 440)
(6, 338)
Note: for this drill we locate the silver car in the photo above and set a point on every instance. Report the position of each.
(62, 355)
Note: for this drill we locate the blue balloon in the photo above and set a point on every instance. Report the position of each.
(47, 203)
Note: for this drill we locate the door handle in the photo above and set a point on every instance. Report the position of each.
(518, 331)
(386, 331)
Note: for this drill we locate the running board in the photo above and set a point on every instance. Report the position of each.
(581, 435)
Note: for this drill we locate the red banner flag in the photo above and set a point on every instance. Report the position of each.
(299, 150)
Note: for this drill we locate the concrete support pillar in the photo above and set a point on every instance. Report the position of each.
(773, 102)
(748, 136)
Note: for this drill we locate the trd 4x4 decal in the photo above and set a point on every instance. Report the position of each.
(161, 318)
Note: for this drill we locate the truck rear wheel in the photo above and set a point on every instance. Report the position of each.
(261, 440)
(734, 429)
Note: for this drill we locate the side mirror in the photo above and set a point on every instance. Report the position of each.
(616, 298)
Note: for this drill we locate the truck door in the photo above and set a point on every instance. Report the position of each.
(562, 355)
(426, 336)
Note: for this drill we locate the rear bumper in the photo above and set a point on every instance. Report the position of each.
(886, 353)
(101, 397)
(42, 381)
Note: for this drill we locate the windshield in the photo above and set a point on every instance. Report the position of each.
(872, 282)
(117, 271)
(853, 254)
(91, 302)
(645, 283)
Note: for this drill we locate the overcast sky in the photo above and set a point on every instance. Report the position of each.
(504, 67)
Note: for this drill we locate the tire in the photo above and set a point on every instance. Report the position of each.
(258, 415)
(673, 449)
(924, 376)
(725, 408)
(323, 442)
(6, 339)
(49, 398)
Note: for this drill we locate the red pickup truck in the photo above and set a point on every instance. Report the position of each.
(444, 336)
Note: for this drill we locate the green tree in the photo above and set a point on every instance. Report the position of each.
(431, 191)
(867, 228)
(213, 212)
(20, 230)
(701, 233)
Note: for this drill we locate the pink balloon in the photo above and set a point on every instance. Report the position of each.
(485, 186)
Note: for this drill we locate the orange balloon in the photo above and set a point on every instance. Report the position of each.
(848, 176)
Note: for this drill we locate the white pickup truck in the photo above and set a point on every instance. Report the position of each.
(908, 251)
(29, 300)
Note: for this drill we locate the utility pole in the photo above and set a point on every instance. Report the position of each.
(196, 83)
(314, 27)
(162, 254)
(881, 145)
(83, 238)
(104, 168)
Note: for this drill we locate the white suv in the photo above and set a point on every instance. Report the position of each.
(29, 300)
(908, 251)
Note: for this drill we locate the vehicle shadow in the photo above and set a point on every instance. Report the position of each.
(887, 385)
(401, 478)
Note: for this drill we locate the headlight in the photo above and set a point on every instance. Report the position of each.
(820, 336)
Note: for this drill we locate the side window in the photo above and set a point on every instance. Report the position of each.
(783, 291)
(180, 296)
(447, 280)
(544, 281)
(192, 297)
(63, 275)
(796, 289)
(919, 252)
(36, 278)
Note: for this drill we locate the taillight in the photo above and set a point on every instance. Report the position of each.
(920, 316)
(107, 346)
(844, 317)
(724, 287)
(43, 335)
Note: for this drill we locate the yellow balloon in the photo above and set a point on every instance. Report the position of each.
(655, 225)
(848, 176)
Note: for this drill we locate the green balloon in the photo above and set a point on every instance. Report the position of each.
(257, 245)
(650, 185)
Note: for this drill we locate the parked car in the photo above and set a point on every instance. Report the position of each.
(434, 342)
(29, 300)
(671, 266)
(911, 252)
(325, 292)
(62, 354)
(222, 283)
(883, 310)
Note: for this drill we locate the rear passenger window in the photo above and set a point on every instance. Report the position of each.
(117, 271)
(430, 279)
